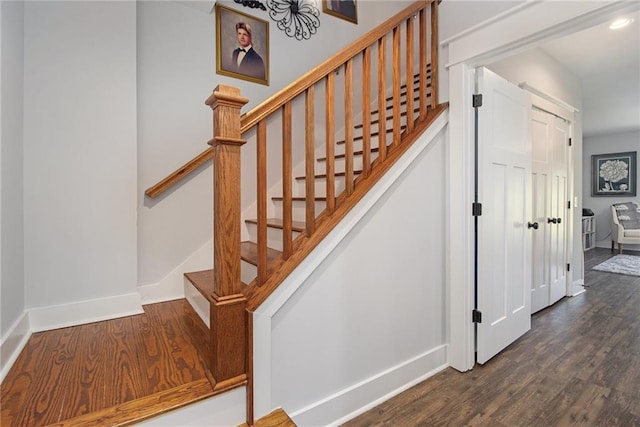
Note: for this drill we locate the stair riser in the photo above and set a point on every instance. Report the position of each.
(298, 211)
(274, 236)
(248, 272)
(320, 186)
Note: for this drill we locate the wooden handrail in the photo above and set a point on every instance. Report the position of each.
(275, 102)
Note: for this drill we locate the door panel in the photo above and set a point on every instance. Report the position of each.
(541, 132)
(558, 250)
(504, 188)
(550, 194)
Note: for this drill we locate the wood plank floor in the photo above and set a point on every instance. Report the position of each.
(579, 365)
(71, 372)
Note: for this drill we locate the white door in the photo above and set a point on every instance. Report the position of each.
(504, 239)
(542, 172)
(550, 145)
(559, 216)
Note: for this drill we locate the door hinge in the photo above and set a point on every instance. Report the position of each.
(568, 267)
(477, 100)
(569, 204)
(569, 142)
(476, 209)
(476, 316)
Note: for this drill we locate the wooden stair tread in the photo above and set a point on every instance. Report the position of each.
(324, 175)
(298, 226)
(389, 117)
(277, 418)
(358, 138)
(249, 253)
(355, 153)
(146, 407)
(203, 282)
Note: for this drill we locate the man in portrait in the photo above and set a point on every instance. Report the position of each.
(244, 58)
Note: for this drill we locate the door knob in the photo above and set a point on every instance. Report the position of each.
(533, 225)
(559, 220)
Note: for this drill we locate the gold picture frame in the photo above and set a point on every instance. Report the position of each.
(343, 9)
(232, 29)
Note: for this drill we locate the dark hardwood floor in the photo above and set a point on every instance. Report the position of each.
(151, 362)
(579, 365)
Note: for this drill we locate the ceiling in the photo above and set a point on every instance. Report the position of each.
(608, 65)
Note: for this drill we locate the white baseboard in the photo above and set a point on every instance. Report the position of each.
(369, 393)
(578, 287)
(12, 344)
(81, 312)
(171, 286)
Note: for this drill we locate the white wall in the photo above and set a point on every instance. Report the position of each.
(79, 152)
(176, 73)
(601, 205)
(12, 297)
(370, 319)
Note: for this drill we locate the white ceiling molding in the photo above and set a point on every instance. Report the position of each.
(528, 25)
(548, 97)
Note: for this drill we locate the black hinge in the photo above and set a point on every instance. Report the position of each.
(569, 142)
(476, 316)
(569, 204)
(476, 209)
(568, 267)
(477, 100)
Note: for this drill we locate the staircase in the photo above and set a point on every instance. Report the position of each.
(328, 137)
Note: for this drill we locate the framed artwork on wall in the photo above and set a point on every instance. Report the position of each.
(242, 46)
(343, 9)
(614, 174)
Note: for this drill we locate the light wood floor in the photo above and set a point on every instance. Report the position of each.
(579, 365)
(152, 362)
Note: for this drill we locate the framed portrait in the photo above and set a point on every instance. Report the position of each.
(614, 174)
(242, 46)
(343, 9)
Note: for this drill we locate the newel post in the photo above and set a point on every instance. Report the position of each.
(228, 318)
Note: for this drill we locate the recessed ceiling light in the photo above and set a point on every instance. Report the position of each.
(620, 23)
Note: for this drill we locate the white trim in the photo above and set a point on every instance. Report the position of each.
(13, 343)
(460, 250)
(489, 21)
(81, 312)
(370, 392)
(526, 86)
(578, 287)
(262, 340)
(528, 27)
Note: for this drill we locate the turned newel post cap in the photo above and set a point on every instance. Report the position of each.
(226, 95)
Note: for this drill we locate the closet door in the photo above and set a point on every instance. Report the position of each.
(559, 198)
(550, 151)
(541, 172)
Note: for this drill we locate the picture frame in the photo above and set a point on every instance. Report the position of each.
(614, 174)
(343, 9)
(254, 64)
